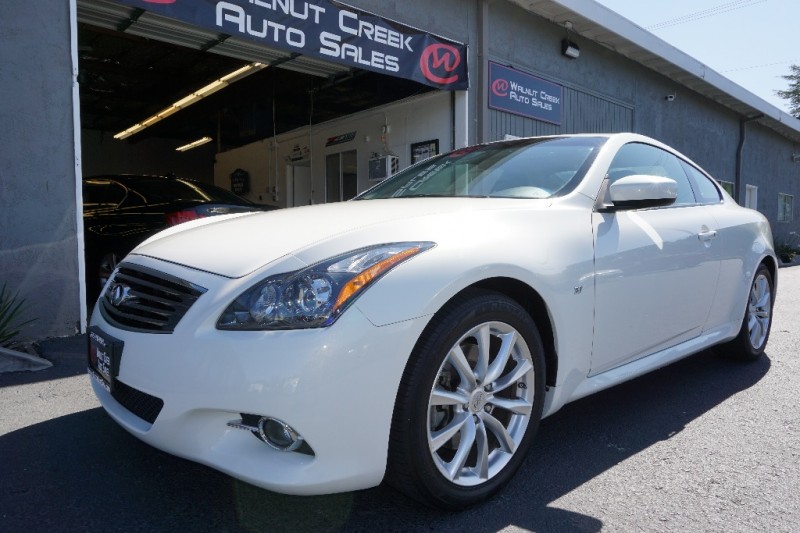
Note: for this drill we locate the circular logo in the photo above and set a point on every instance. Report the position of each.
(439, 63)
(500, 87)
(120, 293)
(478, 401)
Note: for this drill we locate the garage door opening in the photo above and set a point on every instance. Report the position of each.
(160, 95)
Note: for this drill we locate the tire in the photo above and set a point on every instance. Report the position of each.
(97, 274)
(106, 266)
(752, 339)
(463, 423)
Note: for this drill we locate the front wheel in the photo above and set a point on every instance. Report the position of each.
(469, 403)
(751, 341)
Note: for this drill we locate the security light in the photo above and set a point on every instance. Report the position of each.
(570, 49)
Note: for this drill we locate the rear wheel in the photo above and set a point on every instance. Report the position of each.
(754, 333)
(470, 402)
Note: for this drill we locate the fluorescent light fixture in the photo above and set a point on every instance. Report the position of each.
(167, 112)
(194, 144)
(186, 101)
(236, 75)
(192, 98)
(211, 88)
(150, 121)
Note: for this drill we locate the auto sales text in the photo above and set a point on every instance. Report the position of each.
(308, 16)
(532, 97)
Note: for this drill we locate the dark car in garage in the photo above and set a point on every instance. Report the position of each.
(121, 210)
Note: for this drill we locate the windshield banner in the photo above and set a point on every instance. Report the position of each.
(330, 30)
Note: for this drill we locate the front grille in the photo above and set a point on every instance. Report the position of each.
(146, 300)
(137, 402)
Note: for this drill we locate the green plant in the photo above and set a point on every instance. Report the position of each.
(11, 308)
(787, 249)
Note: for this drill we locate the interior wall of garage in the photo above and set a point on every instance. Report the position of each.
(40, 247)
(102, 154)
(418, 119)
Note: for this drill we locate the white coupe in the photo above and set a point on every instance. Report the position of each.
(419, 332)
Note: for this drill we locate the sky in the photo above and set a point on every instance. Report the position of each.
(751, 42)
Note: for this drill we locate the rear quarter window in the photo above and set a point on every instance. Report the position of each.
(705, 190)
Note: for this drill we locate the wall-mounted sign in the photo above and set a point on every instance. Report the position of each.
(240, 181)
(298, 153)
(340, 139)
(523, 94)
(424, 150)
(330, 30)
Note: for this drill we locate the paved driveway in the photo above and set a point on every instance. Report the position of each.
(704, 445)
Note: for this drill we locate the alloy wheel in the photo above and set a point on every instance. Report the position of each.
(481, 403)
(759, 311)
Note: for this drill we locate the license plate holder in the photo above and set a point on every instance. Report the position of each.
(105, 354)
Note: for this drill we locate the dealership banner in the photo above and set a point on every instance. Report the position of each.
(329, 30)
(524, 94)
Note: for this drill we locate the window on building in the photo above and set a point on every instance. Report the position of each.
(728, 186)
(785, 202)
(341, 172)
(751, 197)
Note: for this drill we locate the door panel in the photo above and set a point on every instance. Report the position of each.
(655, 278)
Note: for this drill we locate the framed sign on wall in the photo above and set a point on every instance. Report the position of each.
(423, 150)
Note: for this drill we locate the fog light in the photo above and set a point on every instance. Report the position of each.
(278, 434)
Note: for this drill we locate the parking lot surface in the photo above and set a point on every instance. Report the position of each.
(707, 444)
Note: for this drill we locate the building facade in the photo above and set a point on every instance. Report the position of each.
(550, 67)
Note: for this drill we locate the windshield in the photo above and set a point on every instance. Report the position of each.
(527, 168)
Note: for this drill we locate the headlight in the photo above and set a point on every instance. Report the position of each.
(315, 296)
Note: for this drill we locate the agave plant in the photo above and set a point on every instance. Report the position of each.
(787, 249)
(11, 308)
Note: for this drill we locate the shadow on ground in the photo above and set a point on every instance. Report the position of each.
(82, 472)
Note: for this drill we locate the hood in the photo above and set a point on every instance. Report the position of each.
(234, 246)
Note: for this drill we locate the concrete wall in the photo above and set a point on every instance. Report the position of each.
(768, 164)
(39, 245)
(703, 130)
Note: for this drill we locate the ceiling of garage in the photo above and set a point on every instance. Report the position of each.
(125, 78)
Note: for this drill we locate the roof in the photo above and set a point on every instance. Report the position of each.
(607, 28)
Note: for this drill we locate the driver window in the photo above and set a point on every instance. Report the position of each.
(638, 158)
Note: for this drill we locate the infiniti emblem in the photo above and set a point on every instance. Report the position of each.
(119, 294)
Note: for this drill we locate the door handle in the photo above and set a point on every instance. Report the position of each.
(706, 236)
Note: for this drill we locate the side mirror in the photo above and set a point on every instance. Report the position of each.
(641, 191)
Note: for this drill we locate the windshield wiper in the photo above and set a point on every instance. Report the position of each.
(443, 196)
(426, 196)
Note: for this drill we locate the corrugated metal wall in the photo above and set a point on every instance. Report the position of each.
(584, 112)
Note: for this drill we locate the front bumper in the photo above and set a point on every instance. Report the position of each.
(336, 386)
